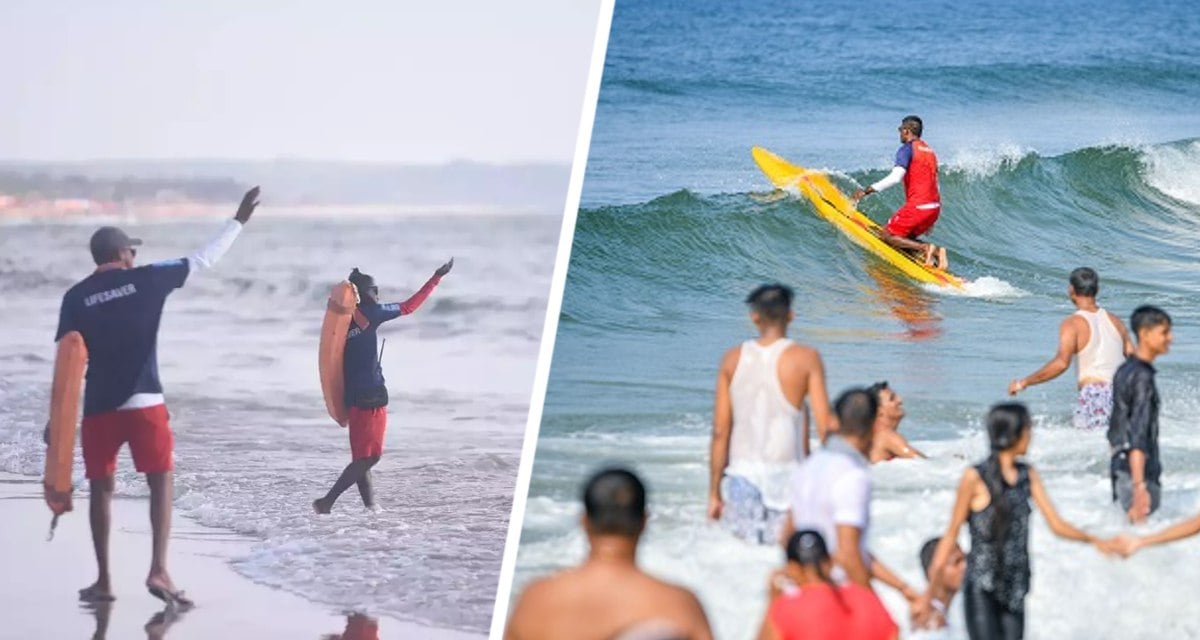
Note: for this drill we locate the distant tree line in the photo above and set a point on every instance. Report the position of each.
(71, 186)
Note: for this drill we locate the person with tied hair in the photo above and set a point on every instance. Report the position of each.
(994, 501)
(806, 604)
(916, 165)
(1097, 341)
(366, 392)
(1135, 467)
(760, 423)
(608, 597)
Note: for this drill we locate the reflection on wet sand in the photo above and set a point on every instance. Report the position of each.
(156, 628)
(359, 626)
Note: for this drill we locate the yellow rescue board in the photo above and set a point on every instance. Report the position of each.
(833, 205)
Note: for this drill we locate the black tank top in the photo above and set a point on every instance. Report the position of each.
(1001, 566)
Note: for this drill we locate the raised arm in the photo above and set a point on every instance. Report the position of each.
(414, 302)
(1067, 341)
(212, 252)
(1060, 527)
(722, 425)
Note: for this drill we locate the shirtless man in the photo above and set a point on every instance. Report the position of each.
(1098, 340)
(609, 597)
(760, 426)
(887, 443)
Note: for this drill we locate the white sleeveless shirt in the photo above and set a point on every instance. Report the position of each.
(765, 444)
(1104, 351)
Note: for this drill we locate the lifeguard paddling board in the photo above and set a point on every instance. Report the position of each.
(833, 205)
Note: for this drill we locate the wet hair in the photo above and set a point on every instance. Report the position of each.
(1005, 423)
(1148, 317)
(615, 502)
(367, 289)
(856, 409)
(807, 549)
(877, 388)
(1085, 282)
(926, 554)
(772, 302)
(913, 124)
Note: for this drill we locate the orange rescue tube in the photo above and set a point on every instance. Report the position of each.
(343, 300)
(69, 364)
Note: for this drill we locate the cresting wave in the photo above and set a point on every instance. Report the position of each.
(1005, 212)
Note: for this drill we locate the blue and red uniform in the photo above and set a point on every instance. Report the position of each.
(922, 202)
(366, 390)
(117, 311)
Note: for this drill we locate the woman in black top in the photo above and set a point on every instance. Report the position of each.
(993, 499)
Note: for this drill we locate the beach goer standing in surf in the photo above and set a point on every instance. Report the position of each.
(886, 441)
(831, 494)
(366, 390)
(916, 166)
(117, 310)
(1099, 343)
(760, 425)
(993, 500)
(1135, 467)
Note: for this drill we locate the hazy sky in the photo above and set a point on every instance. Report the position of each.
(377, 80)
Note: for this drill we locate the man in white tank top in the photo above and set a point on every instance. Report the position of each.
(760, 420)
(1099, 343)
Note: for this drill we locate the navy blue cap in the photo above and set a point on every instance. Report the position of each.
(107, 242)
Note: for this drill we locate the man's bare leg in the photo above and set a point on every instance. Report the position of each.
(100, 517)
(159, 581)
(350, 476)
(920, 249)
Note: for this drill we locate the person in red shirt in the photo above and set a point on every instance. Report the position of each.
(807, 605)
(916, 165)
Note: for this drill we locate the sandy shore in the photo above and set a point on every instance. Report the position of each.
(38, 596)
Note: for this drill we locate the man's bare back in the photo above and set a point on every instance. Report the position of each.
(605, 601)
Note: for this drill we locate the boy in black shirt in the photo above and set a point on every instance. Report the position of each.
(1133, 425)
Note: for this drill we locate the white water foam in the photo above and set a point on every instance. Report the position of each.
(986, 287)
(1174, 171)
(988, 161)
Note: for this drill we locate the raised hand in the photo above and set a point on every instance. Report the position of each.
(444, 269)
(246, 208)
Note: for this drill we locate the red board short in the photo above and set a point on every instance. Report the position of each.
(910, 222)
(147, 430)
(367, 427)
